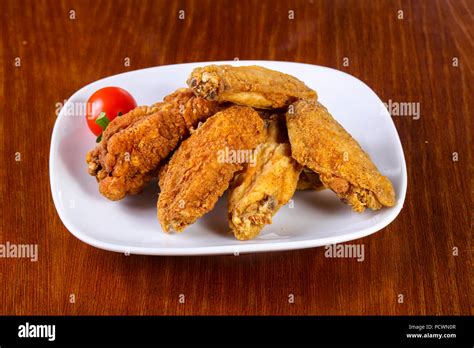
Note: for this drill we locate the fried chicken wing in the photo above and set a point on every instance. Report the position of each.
(264, 186)
(277, 132)
(309, 180)
(133, 145)
(319, 142)
(253, 86)
(202, 167)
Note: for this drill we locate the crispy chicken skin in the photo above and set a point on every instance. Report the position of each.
(263, 187)
(253, 86)
(133, 145)
(319, 142)
(277, 132)
(309, 180)
(198, 173)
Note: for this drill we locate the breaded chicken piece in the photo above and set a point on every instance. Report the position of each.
(264, 186)
(277, 132)
(253, 86)
(319, 142)
(309, 180)
(202, 167)
(275, 128)
(133, 145)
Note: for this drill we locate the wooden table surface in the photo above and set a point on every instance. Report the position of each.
(426, 57)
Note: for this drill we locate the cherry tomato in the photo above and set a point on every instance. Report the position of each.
(112, 101)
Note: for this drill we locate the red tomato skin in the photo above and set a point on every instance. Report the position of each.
(112, 101)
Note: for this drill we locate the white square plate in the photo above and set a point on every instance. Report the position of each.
(313, 219)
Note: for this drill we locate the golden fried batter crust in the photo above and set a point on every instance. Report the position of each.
(261, 189)
(253, 86)
(196, 175)
(277, 132)
(319, 142)
(134, 144)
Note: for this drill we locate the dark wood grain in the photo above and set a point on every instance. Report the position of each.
(405, 60)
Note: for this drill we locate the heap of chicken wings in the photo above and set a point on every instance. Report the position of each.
(256, 133)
